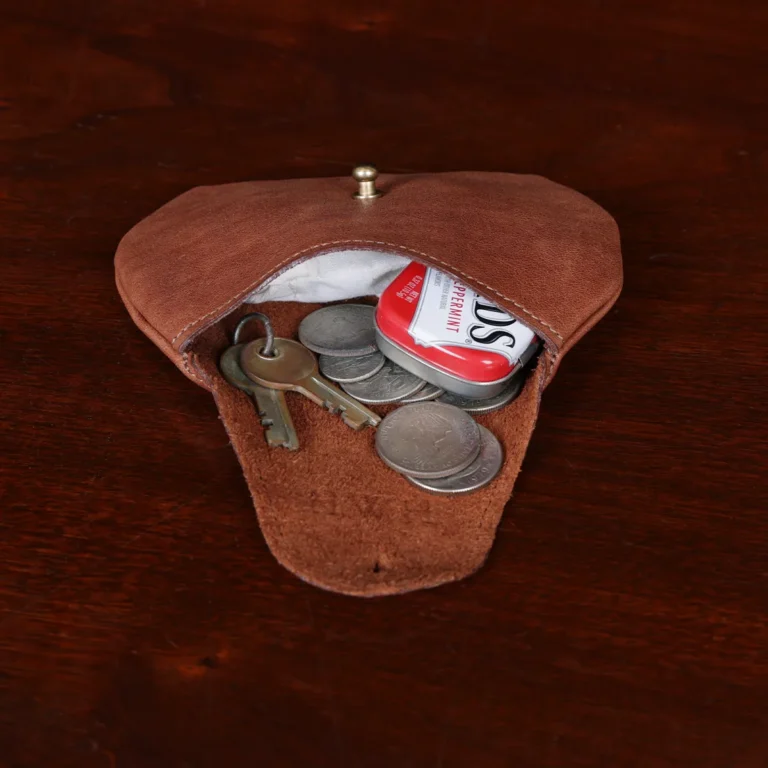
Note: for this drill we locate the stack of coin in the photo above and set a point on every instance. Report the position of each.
(439, 448)
(343, 336)
(432, 439)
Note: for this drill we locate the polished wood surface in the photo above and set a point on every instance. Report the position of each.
(621, 617)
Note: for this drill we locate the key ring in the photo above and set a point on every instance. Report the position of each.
(269, 347)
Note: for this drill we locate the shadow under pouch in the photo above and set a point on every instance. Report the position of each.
(457, 293)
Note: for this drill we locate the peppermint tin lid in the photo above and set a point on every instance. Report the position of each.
(449, 326)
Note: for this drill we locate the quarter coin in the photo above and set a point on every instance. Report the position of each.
(350, 369)
(391, 384)
(477, 475)
(427, 392)
(428, 440)
(476, 405)
(341, 330)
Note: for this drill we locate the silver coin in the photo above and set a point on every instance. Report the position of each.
(350, 369)
(476, 405)
(342, 330)
(390, 385)
(477, 475)
(428, 440)
(427, 392)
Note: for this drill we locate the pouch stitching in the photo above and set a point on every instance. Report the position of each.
(366, 242)
(185, 363)
(151, 331)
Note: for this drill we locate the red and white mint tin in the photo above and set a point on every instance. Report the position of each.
(441, 330)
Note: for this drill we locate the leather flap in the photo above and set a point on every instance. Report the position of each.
(546, 253)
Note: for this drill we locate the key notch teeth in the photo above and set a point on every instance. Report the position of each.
(356, 425)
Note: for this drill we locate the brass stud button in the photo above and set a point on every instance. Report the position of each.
(365, 176)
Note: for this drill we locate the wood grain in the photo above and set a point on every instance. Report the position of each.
(621, 618)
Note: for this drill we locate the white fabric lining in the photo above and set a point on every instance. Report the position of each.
(333, 276)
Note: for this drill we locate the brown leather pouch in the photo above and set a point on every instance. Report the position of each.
(332, 512)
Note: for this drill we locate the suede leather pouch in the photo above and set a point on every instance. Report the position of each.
(332, 512)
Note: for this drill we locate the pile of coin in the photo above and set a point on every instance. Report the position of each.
(432, 440)
(344, 337)
(439, 448)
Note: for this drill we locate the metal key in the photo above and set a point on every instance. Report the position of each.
(270, 403)
(271, 406)
(293, 367)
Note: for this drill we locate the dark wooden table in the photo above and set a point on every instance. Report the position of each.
(621, 618)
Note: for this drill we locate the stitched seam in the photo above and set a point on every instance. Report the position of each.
(550, 369)
(150, 331)
(185, 363)
(365, 242)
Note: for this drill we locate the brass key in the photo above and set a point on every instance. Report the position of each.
(292, 366)
(270, 403)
